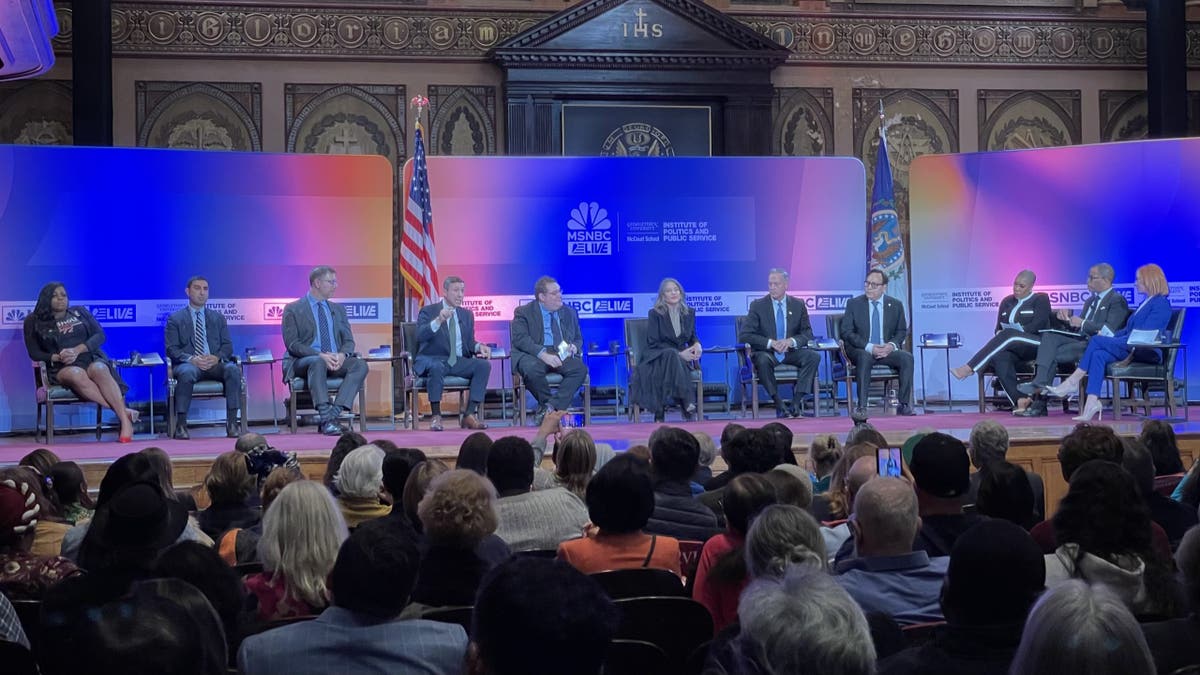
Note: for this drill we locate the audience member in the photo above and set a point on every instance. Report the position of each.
(839, 540)
(302, 531)
(798, 622)
(824, 452)
(572, 617)
(202, 567)
(360, 482)
(888, 575)
(398, 465)
(415, 487)
(125, 470)
(783, 441)
(574, 459)
(1175, 643)
(721, 573)
(72, 490)
(11, 629)
(792, 485)
(473, 452)
(1173, 517)
(1004, 492)
(837, 502)
(458, 512)
(639, 450)
(620, 500)
(1159, 438)
(229, 486)
(370, 585)
(675, 454)
(751, 451)
(160, 461)
(1103, 527)
(51, 529)
(730, 432)
(783, 536)
(530, 520)
(130, 530)
(344, 445)
(988, 443)
(995, 575)
(262, 459)
(240, 545)
(23, 574)
(40, 460)
(942, 473)
(865, 432)
(1077, 628)
(708, 453)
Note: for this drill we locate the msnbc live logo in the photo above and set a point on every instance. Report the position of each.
(14, 315)
(123, 313)
(272, 311)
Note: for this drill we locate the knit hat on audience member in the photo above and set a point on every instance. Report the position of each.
(940, 466)
(18, 510)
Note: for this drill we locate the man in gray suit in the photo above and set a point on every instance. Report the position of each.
(546, 338)
(198, 344)
(320, 344)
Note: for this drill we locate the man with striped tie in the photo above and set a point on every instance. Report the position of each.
(197, 341)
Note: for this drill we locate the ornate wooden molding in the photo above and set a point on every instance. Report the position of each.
(212, 30)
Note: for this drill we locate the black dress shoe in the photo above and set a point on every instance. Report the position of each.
(181, 433)
(1035, 409)
(231, 429)
(905, 410)
(540, 414)
(332, 428)
(859, 415)
(782, 410)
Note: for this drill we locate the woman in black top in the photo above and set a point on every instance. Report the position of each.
(67, 339)
(661, 374)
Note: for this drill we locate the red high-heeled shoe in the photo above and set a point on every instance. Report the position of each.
(125, 439)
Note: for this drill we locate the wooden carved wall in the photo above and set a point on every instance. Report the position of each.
(199, 115)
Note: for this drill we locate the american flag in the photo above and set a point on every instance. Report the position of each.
(418, 260)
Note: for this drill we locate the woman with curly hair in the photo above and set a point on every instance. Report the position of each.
(1104, 535)
(458, 512)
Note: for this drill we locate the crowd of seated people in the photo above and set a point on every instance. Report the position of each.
(930, 572)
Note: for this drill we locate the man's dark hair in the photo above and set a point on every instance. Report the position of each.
(573, 618)
(1159, 438)
(1137, 461)
(995, 575)
(620, 497)
(202, 567)
(728, 433)
(1085, 443)
(374, 573)
(674, 452)
(473, 453)
(397, 465)
(880, 272)
(783, 441)
(348, 442)
(752, 451)
(1006, 493)
(510, 464)
(193, 279)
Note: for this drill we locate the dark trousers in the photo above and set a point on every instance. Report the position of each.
(313, 369)
(1004, 364)
(187, 375)
(1056, 349)
(805, 361)
(534, 371)
(863, 360)
(1000, 342)
(435, 370)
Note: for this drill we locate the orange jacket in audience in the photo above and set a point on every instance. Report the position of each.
(620, 551)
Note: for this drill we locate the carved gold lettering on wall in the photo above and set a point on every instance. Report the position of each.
(1101, 43)
(944, 40)
(257, 29)
(210, 28)
(984, 42)
(441, 33)
(862, 39)
(351, 32)
(904, 40)
(823, 38)
(1137, 42)
(161, 26)
(486, 32)
(304, 30)
(783, 34)
(120, 26)
(641, 29)
(395, 32)
(1062, 42)
(1024, 41)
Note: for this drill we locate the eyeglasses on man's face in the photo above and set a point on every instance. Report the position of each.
(872, 284)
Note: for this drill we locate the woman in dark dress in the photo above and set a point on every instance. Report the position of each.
(67, 339)
(661, 375)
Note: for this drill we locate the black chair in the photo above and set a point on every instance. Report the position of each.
(635, 339)
(1142, 379)
(29, 612)
(639, 582)
(920, 633)
(276, 623)
(248, 568)
(49, 395)
(414, 384)
(458, 615)
(695, 661)
(544, 553)
(747, 375)
(300, 399)
(1025, 372)
(677, 625)
(634, 657)
(844, 368)
(201, 389)
(18, 660)
(555, 380)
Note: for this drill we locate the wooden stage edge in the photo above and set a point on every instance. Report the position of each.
(1034, 442)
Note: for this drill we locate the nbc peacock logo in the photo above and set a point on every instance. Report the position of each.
(589, 230)
(272, 311)
(14, 315)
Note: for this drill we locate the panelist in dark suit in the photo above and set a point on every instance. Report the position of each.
(1153, 315)
(873, 330)
(1029, 312)
(199, 346)
(660, 375)
(538, 329)
(446, 346)
(778, 331)
(319, 342)
(1106, 308)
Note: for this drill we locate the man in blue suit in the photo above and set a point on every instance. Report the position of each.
(446, 346)
(320, 345)
(370, 583)
(198, 344)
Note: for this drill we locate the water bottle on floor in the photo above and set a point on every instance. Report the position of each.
(892, 402)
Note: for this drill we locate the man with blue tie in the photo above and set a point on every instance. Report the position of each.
(546, 338)
(873, 330)
(446, 346)
(198, 344)
(320, 344)
(777, 330)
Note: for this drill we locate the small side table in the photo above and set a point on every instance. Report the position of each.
(502, 357)
(616, 359)
(390, 359)
(148, 362)
(949, 394)
(818, 384)
(259, 359)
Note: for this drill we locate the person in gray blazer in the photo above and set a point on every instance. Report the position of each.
(1069, 335)
(320, 345)
(537, 332)
(873, 329)
(198, 344)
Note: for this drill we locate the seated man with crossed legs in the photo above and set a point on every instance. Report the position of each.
(446, 346)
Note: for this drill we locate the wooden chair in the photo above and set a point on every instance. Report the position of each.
(634, 657)
(639, 582)
(635, 343)
(1142, 379)
(414, 384)
(843, 366)
(458, 615)
(201, 389)
(677, 625)
(555, 380)
(748, 375)
(48, 395)
(300, 398)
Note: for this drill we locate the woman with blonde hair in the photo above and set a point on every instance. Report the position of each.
(661, 374)
(1152, 315)
(302, 531)
(574, 464)
(823, 452)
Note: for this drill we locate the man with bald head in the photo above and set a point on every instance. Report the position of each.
(1020, 318)
(888, 575)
